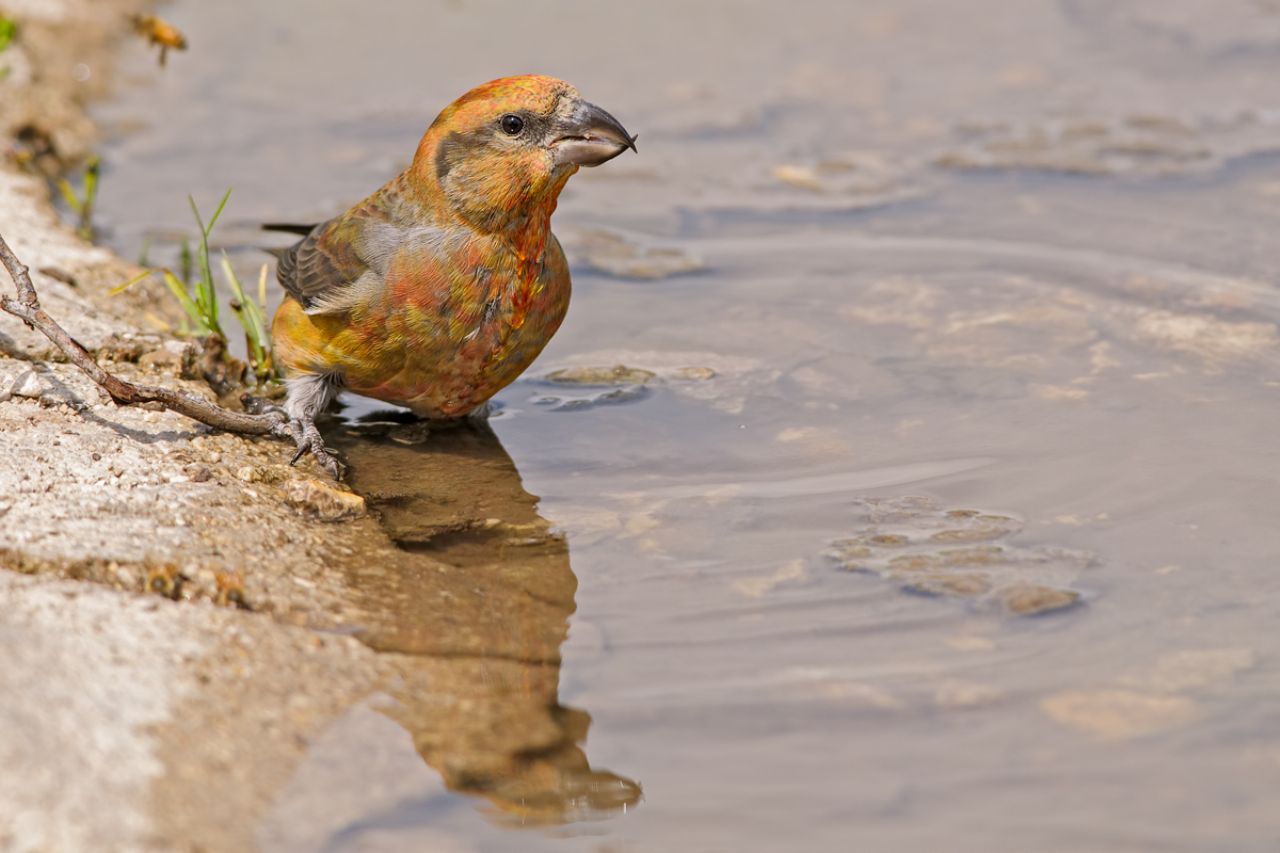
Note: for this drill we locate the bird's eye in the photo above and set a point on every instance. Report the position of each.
(512, 124)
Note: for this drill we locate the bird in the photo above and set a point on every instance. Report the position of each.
(440, 288)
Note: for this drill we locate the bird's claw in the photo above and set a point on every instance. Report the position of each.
(308, 440)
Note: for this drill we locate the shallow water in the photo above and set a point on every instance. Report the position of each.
(884, 260)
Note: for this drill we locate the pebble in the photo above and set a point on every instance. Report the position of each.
(1030, 599)
(29, 385)
(323, 501)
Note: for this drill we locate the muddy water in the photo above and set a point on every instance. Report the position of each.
(933, 314)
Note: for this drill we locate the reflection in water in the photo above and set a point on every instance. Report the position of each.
(477, 612)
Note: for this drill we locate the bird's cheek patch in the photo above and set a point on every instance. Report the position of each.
(459, 148)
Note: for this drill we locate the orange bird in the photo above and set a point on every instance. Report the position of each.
(439, 289)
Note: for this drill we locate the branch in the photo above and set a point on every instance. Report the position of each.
(27, 308)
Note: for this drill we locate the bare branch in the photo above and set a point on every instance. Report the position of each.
(27, 308)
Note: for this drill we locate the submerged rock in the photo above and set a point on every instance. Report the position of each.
(621, 384)
(959, 553)
(614, 396)
(618, 374)
(693, 374)
(1119, 714)
(852, 173)
(1030, 599)
(1133, 144)
(626, 256)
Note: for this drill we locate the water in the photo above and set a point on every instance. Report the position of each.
(934, 257)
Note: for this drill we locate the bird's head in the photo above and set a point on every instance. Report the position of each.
(505, 149)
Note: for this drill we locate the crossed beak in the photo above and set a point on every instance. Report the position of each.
(589, 137)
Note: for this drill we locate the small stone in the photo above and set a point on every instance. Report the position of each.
(852, 173)
(29, 385)
(262, 473)
(802, 177)
(1030, 599)
(693, 374)
(323, 501)
(171, 357)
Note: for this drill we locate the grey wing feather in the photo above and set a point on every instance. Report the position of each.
(321, 280)
(344, 261)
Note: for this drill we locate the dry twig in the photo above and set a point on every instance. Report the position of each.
(27, 308)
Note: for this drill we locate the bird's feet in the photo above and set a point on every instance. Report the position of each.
(308, 439)
(298, 423)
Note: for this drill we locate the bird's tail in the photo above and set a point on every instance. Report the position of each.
(288, 228)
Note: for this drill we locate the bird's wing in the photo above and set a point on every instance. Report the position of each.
(343, 263)
(326, 271)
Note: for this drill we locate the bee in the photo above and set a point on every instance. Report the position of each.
(230, 590)
(165, 579)
(160, 32)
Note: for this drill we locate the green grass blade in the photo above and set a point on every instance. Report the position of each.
(262, 289)
(8, 31)
(205, 296)
(69, 195)
(184, 261)
(121, 288)
(179, 291)
(89, 193)
(250, 317)
(214, 221)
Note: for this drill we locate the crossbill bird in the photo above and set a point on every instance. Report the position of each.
(439, 289)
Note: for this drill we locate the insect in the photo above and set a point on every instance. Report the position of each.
(164, 579)
(230, 590)
(160, 32)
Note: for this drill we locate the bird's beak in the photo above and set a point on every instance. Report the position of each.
(589, 136)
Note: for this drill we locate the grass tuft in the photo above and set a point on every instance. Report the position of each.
(197, 294)
(82, 202)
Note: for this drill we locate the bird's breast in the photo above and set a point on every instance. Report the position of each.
(452, 335)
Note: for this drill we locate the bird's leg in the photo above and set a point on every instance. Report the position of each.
(308, 396)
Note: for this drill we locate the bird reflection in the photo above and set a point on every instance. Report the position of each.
(476, 613)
